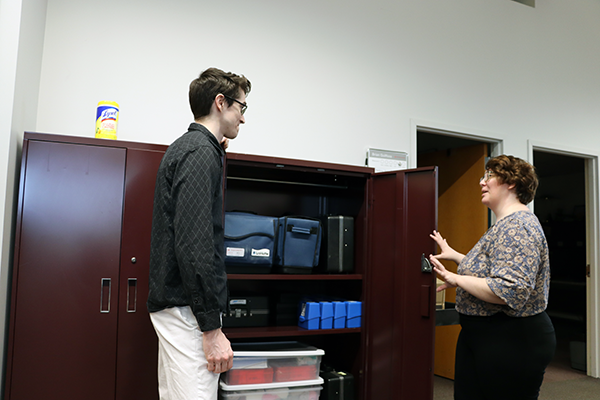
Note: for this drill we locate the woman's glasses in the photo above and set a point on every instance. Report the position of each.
(486, 176)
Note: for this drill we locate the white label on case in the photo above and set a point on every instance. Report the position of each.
(261, 253)
(235, 252)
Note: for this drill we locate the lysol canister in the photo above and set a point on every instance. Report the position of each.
(107, 118)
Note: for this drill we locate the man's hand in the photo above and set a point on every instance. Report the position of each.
(225, 143)
(217, 350)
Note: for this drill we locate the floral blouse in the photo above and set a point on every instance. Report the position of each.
(513, 258)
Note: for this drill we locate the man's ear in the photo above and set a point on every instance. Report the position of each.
(219, 102)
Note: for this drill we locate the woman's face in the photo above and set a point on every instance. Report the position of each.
(492, 191)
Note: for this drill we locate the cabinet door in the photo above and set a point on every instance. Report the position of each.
(401, 297)
(63, 331)
(137, 353)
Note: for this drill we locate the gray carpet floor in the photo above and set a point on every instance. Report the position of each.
(561, 382)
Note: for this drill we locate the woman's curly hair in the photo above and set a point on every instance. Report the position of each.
(515, 171)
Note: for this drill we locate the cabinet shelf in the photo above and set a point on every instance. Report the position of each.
(317, 185)
(282, 331)
(286, 277)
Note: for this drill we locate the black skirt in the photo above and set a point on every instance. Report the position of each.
(502, 357)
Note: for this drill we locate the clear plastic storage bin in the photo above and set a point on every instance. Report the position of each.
(311, 392)
(259, 363)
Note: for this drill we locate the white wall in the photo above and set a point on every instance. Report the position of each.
(9, 28)
(22, 26)
(331, 78)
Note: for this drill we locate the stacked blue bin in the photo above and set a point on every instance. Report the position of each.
(330, 314)
(353, 314)
(310, 315)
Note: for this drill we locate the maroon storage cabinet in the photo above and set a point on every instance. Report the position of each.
(79, 327)
(78, 321)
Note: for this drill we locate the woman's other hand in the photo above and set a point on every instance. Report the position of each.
(447, 252)
(448, 277)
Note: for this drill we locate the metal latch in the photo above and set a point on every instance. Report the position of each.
(239, 313)
(425, 264)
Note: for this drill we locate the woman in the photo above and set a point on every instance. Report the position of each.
(507, 339)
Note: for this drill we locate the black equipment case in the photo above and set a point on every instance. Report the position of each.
(247, 311)
(337, 385)
(338, 244)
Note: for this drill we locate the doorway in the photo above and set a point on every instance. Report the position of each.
(461, 161)
(566, 174)
(560, 205)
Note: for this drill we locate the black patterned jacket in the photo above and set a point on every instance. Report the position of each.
(187, 252)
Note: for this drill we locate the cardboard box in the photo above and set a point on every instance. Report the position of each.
(440, 297)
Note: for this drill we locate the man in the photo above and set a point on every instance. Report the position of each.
(188, 282)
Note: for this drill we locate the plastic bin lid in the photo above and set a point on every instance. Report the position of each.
(273, 385)
(275, 349)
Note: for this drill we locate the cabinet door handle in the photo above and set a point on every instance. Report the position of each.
(131, 294)
(425, 300)
(105, 295)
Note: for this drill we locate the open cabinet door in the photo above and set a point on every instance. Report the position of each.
(400, 303)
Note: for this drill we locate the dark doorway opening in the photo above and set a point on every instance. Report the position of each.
(560, 205)
(428, 142)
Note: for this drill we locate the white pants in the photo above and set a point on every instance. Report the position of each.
(182, 372)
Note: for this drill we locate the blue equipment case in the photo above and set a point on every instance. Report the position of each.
(299, 244)
(249, 242)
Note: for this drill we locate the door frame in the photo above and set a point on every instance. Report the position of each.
(496, 144)
(592, 243)
(416, 126)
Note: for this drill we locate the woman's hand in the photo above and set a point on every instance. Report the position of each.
(447, 252)
(448, 277)
(478, 287)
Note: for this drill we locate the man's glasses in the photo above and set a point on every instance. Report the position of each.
(486, 176)
(244, 105)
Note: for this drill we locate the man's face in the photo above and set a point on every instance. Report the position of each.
(233, 117)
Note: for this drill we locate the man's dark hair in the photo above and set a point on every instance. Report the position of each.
(209, 84)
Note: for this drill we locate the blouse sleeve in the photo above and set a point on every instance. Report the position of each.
(516, 259)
